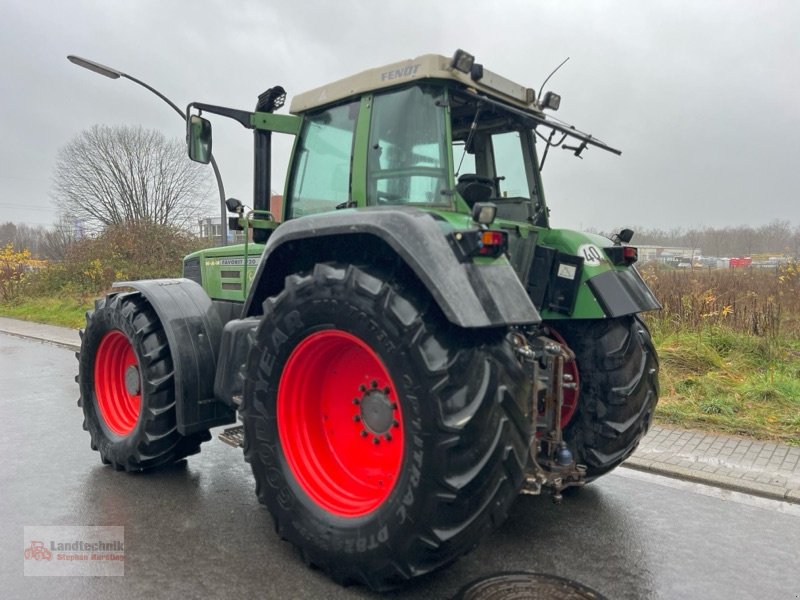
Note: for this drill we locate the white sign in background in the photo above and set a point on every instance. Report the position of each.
(68, 550)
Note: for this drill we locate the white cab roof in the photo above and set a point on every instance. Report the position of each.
(427, 66)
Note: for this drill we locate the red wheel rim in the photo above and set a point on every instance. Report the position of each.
(340, 424)
(570, 403)
(119, 400)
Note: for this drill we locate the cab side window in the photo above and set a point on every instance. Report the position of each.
(321, 169)
(407, 160)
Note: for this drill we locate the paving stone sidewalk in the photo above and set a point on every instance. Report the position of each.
(760, 468)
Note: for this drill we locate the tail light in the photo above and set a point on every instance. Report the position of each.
(622, 255)
(481, 242)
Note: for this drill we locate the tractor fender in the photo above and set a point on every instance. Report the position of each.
(194, 330)
(470, 295)
(601, 290)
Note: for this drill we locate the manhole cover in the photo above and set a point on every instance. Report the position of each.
(526, 586)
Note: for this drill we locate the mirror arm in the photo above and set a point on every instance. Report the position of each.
(244, 117)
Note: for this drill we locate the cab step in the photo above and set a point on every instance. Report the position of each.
(233, 436)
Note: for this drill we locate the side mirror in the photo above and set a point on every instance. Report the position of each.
(198, 139)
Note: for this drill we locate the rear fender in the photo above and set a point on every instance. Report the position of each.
(193, 329)
(471, 295)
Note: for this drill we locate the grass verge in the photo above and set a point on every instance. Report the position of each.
(66, 311)
(726, 382)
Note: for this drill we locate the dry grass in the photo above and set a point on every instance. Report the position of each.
(729, 343)
(761, 302)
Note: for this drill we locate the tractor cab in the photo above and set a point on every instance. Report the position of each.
(433, 132)
(430, 145)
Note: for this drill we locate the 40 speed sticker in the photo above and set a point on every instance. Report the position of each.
(592, 255)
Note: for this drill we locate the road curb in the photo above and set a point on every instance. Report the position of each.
(67, 345)
(754, 488)
(60, 336)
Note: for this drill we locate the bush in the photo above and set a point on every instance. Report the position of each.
(120, 253)
(15, 267)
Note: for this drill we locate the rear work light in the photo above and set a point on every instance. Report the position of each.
(622, 255)
(481, 242)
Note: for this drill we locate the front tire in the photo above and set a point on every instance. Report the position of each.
(618, 372)
(384, 441)
(127, 387)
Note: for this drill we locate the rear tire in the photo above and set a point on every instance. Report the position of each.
(125, 374)
(334, 353)
(618, 369)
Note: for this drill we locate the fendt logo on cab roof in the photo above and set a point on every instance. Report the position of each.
(409, 71)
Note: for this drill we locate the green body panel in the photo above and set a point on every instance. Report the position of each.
(589, 247)
(278, 123)
(222, 270)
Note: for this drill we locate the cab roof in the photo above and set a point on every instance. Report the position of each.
(425, 67)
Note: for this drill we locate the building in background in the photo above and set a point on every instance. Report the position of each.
(210, 228)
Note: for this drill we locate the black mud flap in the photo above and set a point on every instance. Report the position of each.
(194, 331)
(623, 293)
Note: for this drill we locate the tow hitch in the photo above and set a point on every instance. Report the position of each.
(552, 464)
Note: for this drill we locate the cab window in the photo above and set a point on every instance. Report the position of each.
(407, 159)
(321, 170)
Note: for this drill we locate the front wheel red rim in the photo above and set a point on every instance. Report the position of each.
(117, 383)
(340, 424)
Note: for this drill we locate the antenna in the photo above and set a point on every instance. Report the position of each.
(539, 95)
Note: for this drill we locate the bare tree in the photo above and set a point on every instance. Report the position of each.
(776, 237)
(8, 233)
(23, 237)
(692, 239)
(58, 240)
(119, 175)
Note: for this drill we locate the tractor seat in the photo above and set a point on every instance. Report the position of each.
(474, 188)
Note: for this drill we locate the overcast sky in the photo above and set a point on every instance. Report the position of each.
(703, 98)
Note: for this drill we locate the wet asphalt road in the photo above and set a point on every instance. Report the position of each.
(196, 530)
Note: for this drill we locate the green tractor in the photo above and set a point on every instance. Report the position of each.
(409, 346)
